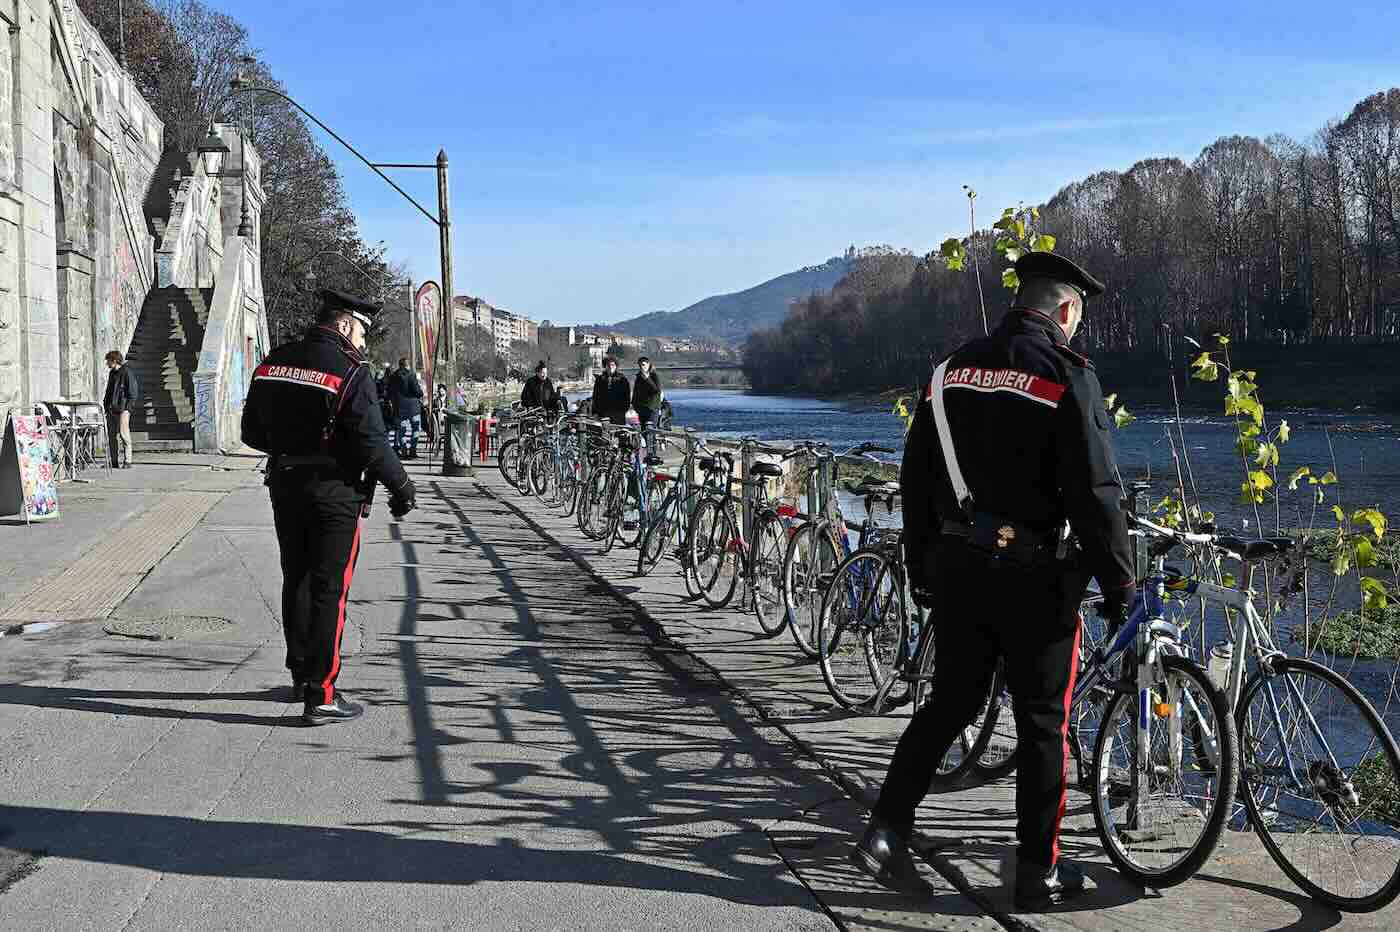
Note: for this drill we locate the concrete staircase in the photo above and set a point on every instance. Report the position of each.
(164, 355)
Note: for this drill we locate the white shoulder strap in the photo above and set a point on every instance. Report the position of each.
(945, 440)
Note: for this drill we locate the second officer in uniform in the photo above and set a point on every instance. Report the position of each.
(1011, 442)
(313, 408)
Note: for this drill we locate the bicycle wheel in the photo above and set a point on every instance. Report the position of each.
(1321, 783)
(963, 754)
(661, 529)
(769, 547)
(613, 506)
(807, 568)
(569, 483)
(508, 461)
(997, 731)
(860, 626)
(543, 476)
(1160, 820)
(714, 552)
(592, 509)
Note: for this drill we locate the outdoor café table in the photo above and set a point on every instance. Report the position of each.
(71, 433)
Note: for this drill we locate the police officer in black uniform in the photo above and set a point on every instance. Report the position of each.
(313, 408)
(1019, 448)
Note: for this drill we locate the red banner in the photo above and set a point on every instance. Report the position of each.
(427, 319)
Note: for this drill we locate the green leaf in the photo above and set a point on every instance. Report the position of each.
(1249, 430)
(1204, 368)
(1020, 229)
(1121, 417)
(1222, 339)
(1260, 479)
(1228, 579)
(1014, 253)
(1267, 455)
(1009, 279)
(1340, 515)
(1283, 432)
(1044, 242)
(1298, 473)
(1328, 478)
(1373, 517)
(1374, 594)
(1005, 223)
(1035, 215)
(1109, 401)
(1341, 561)
(1365, 552)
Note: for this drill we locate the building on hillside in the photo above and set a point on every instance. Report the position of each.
(550, 335)
(109, 243)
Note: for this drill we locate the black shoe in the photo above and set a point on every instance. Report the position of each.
(884, 854)
(1039, 888)
(298, 693)
(341, 710)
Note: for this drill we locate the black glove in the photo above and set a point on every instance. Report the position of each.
(404, 499)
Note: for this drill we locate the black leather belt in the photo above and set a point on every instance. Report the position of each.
(291, 462)
(998, 537)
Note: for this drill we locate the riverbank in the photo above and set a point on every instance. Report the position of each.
(1340, 377)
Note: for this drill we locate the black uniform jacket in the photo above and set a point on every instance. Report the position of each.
(611, 394)
(290, 402)
(646, 391)
(539, 393)
(1028, 423)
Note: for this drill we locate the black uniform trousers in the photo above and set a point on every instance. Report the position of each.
(317, 514)
(982, 612)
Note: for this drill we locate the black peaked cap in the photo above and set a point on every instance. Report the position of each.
(366, 311)
(1057, 268)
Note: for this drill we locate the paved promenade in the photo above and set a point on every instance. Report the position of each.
(549, 743)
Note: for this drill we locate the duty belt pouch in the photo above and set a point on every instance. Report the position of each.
(1009, 542)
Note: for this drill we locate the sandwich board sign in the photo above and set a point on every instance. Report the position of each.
(28, 485)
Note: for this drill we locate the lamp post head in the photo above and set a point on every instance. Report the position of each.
(213, 144)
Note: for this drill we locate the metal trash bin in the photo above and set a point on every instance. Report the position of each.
(457, 446)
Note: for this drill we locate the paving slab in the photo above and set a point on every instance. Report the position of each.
(969, 832)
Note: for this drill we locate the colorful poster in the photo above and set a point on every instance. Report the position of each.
(27, 482)
(427, 309)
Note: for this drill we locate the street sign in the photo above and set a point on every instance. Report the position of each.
(27, 481)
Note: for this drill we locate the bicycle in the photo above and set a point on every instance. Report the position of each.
(1337, 790)
(818, 544)
(866, 625)
(722, 554)
(669, 527)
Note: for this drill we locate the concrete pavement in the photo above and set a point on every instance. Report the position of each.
(534, 755)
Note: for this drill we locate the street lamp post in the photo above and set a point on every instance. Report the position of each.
(241, 84)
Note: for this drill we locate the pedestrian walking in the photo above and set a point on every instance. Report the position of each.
(386, 406)
(312, 407)
(646, 392)
(539, 390)
(611, 393)
(123, 391)
(1010, 443)
(407, 395)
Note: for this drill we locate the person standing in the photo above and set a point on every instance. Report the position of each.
(118, 402)
(646, 392)
(407, 395)
(539, 391)
(611, 393)
(1010, 443)
(312, 407)
(386, 407)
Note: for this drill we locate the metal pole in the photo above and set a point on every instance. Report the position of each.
(445, 245)
(412, 331)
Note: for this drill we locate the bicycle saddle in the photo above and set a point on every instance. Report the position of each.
(1250, 550)
(655, 461)
(766, 470)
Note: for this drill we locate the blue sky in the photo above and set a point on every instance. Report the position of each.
(610, 159)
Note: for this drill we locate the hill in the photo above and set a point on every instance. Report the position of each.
(730, 318)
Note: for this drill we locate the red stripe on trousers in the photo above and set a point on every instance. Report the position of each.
(1064, 744)
(328, 687)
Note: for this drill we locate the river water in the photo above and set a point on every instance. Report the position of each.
(1365, 447)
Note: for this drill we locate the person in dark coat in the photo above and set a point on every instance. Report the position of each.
(539, 391)
(386, 407)
(646, 392)
(611, 393)
(1010, 444)
(312, 407)
(407, 396)
(119, 401)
